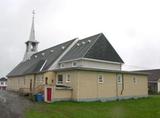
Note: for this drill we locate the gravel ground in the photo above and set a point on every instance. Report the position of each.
(12, 105)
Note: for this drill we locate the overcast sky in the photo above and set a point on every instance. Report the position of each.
(131, 26)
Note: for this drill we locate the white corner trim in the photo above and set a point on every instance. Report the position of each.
(60, 57)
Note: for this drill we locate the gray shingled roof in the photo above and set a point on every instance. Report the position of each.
(154, 74)
(3, 79)
(94, 47)
(38, 59)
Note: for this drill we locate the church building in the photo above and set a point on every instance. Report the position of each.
(86, 69)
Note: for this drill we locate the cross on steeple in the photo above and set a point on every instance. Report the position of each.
(33, 11)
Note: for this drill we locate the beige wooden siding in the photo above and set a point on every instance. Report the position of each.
(90, 88)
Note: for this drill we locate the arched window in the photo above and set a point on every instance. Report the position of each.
(46, 80)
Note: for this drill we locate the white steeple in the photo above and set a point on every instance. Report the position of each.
(32, 33)
(31, 44)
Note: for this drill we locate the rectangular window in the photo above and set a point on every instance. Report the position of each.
(1, 83)
(100, 79)
(39, 79)
(119, 79)
(74, 64)
(46, 80)
(68, 79)
(61, 65)
(60, 79)
(134, 80)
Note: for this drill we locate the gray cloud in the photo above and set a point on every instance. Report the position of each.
(132, 27)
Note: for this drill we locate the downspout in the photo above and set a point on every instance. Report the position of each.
(122, 85)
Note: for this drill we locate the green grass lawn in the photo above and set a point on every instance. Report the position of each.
(140, 108)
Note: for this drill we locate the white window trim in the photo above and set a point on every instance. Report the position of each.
(62, 80)
(67, 78)
(99, 78)
(61, 65)
(119, 82)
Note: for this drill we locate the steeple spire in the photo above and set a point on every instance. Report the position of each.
(31, 44)
(32, 33)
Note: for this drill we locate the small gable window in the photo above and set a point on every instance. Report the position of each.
(35, 56)
(83, 42)
(51, 50)
(89, 41)
(100, 79)
(68, 79)
(63, 47)
(60, 79)
(43, 54)
(78, 44)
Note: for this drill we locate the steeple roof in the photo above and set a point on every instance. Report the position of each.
(31, 44)
(32, 33)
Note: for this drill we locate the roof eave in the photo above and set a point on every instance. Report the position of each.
(99, 70)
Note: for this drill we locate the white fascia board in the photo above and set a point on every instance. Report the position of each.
(53, 66)
(102, 61)
(71, 60)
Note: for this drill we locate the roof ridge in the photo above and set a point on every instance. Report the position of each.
(100, 34)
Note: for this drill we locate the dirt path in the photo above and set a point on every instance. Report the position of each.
(12, 105)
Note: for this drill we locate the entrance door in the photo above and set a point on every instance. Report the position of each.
(49, 94)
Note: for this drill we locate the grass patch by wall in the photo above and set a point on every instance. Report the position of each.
(140, 108)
